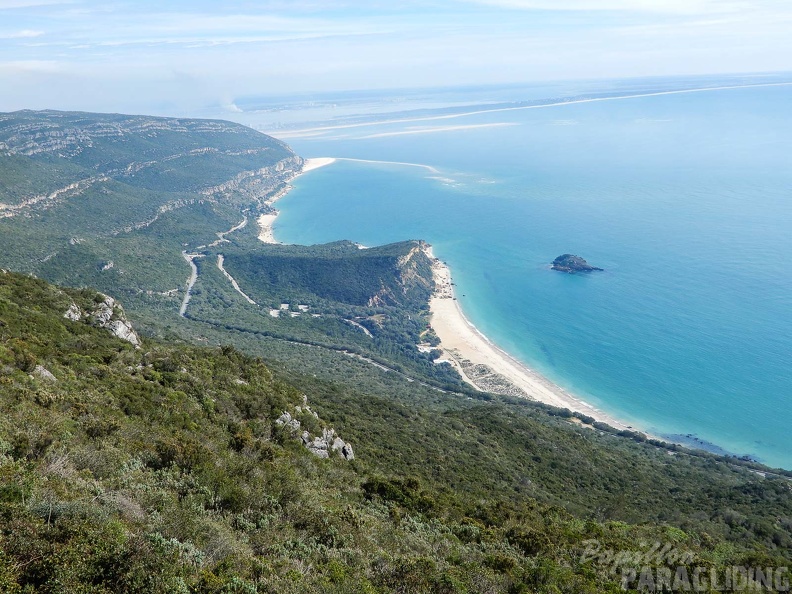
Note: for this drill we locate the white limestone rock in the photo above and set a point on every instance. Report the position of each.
(123, 330)
(44, 373)
(322, 446)
(74, 313)
(109, 315)
(287, 420)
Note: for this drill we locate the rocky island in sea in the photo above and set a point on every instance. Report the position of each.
(570, 263)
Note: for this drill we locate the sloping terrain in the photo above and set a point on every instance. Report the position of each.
(160, 213)
(172, 469)
(110, 200)
(369, 302)
(395, 275)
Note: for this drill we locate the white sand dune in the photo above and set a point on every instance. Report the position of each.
(265, 223)
(316, 163)
(429, 168)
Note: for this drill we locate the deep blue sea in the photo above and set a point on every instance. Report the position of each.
(684, 199)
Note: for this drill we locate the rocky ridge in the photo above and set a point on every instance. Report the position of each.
(119, 148)
(258, 186)
(68, 134)
(413, 271)
(108, 315)
(322, 445)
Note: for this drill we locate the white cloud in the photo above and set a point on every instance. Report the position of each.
(651, 6)
(21, 67)
(23, 34)
(10, 4)
(161, 57)
(195, 30)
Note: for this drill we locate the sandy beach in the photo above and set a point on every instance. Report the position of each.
(478, 360)
(266, 221)
(311, 164)
(485, 366)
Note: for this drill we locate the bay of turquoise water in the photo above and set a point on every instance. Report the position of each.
(685, 200)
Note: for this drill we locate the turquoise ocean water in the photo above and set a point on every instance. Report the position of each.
(684, 199)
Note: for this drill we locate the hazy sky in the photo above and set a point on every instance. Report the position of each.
(178, 56)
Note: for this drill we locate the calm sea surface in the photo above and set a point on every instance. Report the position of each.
(684, 199)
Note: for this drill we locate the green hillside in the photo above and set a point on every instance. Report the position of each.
(394, 275)
(163, 469)
(372, 302)
(79, 192)
(160, 188)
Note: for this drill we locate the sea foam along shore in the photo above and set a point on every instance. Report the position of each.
(467, 349)
(266, 221)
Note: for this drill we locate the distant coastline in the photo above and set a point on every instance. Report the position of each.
(313, 131)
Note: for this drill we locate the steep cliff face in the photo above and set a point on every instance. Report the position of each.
(260, 185)
(415, 269)
(397, 274)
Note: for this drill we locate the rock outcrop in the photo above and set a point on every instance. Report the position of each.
(570, 263)
(326, 444)
(106, 314)
(286, 420)
(44, 373)
(323, 445)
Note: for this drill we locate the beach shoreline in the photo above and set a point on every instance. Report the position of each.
(479, 361)
(484, 365)
(266, 221)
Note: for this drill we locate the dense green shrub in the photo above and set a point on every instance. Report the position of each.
(161, 470)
